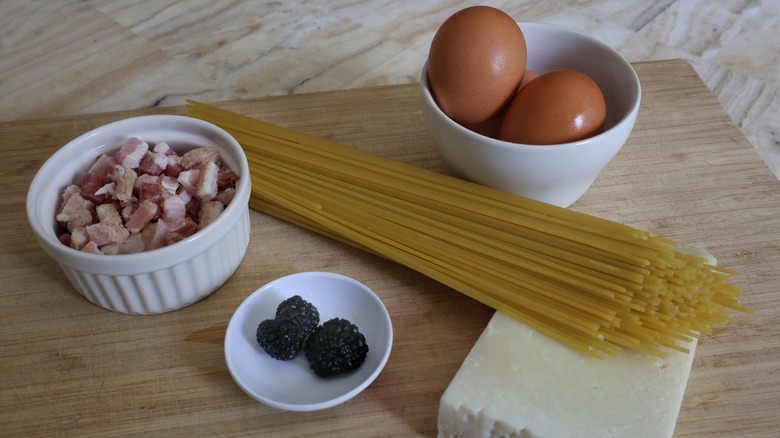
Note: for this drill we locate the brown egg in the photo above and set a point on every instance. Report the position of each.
(528, 77)
(476, 63)
(557, 107)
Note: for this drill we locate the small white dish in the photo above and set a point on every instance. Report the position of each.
(291, 385)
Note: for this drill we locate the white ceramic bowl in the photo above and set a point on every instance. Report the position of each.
(163, 279)
(291, 385)
(556, 174)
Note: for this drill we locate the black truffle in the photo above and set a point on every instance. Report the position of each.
(336, 347)
(282, 337)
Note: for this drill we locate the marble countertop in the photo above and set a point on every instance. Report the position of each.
(73, 57)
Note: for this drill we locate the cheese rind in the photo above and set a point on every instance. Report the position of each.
(517, 382)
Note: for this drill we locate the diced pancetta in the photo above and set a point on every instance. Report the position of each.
(189, 179)
(154, 235)
(108, 213)
(195, 157)
(180, 228)
(103, 166)
(91, 247)
(80, 219)
(125, 182)
(170, 184)
(173, 168)
(174, 206)
(75, 203)
(163, 148)
(131, 153)
(184, 194)
(79, 238)
(103, 233)
(133, 244)
(226, 195)
(68, 192)
(153, 163)
(108, 190)
(227, 178)
(95, 179)
(110, 229)
(209, 211)
(141, 216)
(206, 189)
(96, 194)
(128, 210)
(152, 190)
(142, 178)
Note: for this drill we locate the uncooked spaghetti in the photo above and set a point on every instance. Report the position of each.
(593, 284)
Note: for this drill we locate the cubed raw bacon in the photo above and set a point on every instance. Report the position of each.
(64, 239)
(96, 179)
(79, 238)
(195, 157)
(103, 166)
(133, 244)
(110, 229)
(173, 168)
(163, 148)
(180, 228)
(153, 163)
(193, 207)
(75, 203)
(68, 192)
(142, 178)
(127, 210)
(91, 247)
(125, 182)
(95, 194)
(108, 190)
(141, 216)
(227, 178)
(103, 233)
(152, 191)
(226, 195)
(207, 181)
(131, 153)
(108, 213)
(189, 179)
(80, 219)
(209, 211)
(170, 184)
(174, 206)
(184, 194)
(154, 235)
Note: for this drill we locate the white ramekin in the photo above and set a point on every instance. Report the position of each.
(163, 279)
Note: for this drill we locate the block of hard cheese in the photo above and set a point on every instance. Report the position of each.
(516, 382)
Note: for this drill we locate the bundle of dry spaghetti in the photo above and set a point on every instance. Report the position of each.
(595, 285)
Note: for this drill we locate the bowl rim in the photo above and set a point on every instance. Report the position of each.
(172, 252)
(430, 101)
(234, 325)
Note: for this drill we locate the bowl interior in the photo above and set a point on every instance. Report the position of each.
(291, 385)
(554, 48)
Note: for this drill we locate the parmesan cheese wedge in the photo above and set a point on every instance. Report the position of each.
(516, 382)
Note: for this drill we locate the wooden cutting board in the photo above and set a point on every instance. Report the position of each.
(70, 368)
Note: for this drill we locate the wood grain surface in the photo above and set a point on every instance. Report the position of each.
(70, 368)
